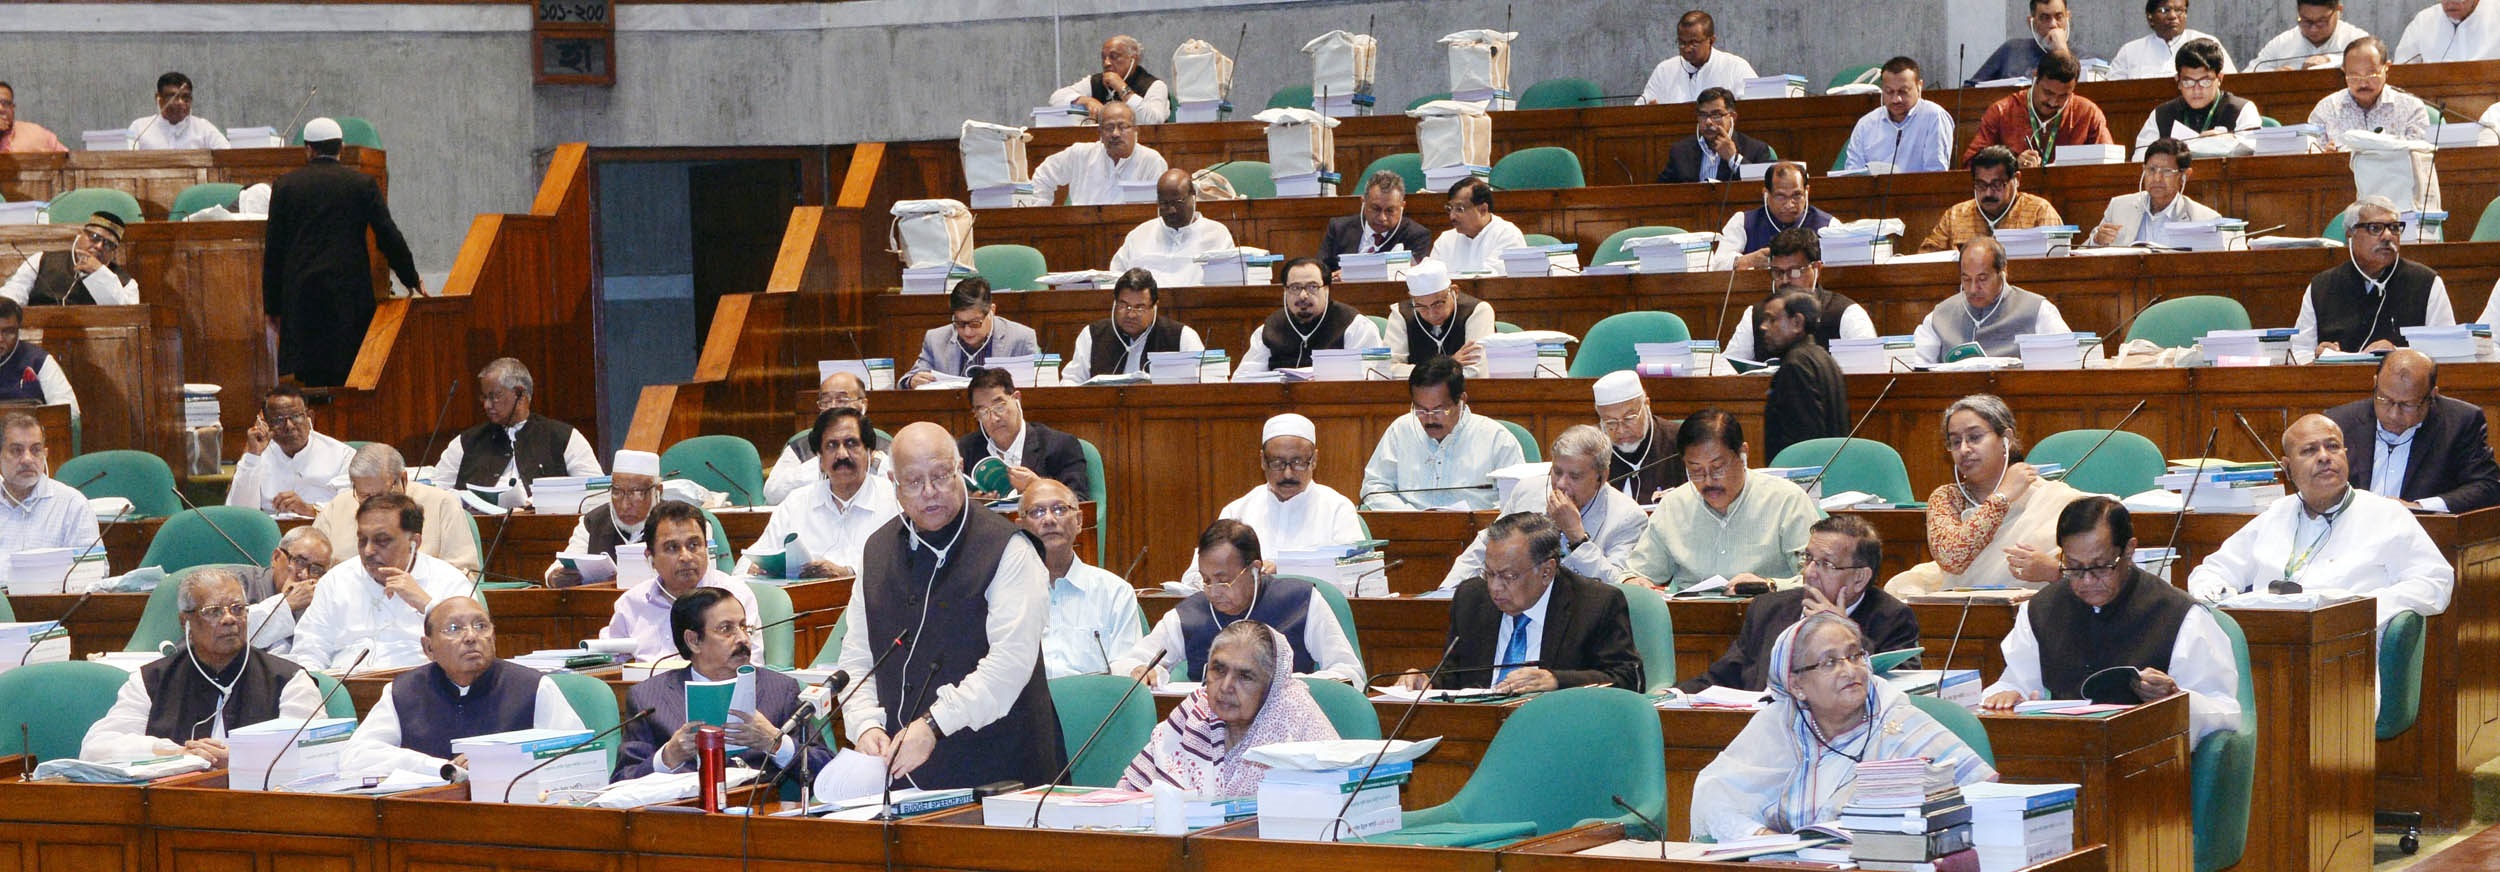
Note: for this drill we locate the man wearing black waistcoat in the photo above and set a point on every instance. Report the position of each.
(186, 702)
(462, 692)
(2365, 304)
(513, 446)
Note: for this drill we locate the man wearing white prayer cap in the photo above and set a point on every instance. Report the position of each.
(635, 488)
(1438, 320)
(1291, 512)
(1642, 463)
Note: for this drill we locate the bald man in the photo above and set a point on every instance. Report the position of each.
(1169, 245)
(1092, 612)
(462, 691)
(1123, 82)
(797, 466)
(1093, 172)
(2410, 442)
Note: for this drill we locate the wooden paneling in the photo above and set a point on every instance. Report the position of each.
(125, 362)
(156, 178)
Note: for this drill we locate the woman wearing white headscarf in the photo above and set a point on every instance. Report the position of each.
(1250, 699)
(1795, 764)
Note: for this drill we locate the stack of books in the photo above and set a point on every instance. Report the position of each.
(1005, 196)
(49, 641)
(1058, 116)
(2226, 487)
(2424, 226)
(565, 493)
(1203, 110)
(1874, 354)
(934, 279)
(1960, 686)
(2261, 347)
(2213, 234)
(1441, 178)
(1339, 364)
(1378, 266)
(1238, 266)
(1311, 184)
(2058, 350)
(1907, 814)
(1345, 105)
(2287, 139)
(254, 137)
(2460, 343)
(22, 212)
(287, 749)
(199, 406)
(1300, 804)
(1673, 359)
(2090, 153)
(1527, 354)
(1358, 569)
(1674, 252)
(2017, 825)
(36, 570)
(1773, 87)
(1859, 243)
(116, 139)
(875, 372)
(2052, 241)
(1541, 260)
(1175, 367)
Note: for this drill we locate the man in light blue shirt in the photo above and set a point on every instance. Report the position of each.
(35, 510)
(1912, 134)
(1092, 612)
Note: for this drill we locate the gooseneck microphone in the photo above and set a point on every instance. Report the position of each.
(1335, 826)
(318, 709)
(593, 741)
(1043, 801)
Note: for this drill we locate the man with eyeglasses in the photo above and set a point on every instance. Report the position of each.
(681, 560)
(1095, 173)
(2329, 537)
(463, 690)
(1842, 555)
(1987, 313)
(1698, 65)
(28, 373)
(1641, 460)
(87, 273)
(36, 510)
(797, 467)
(2367, 102)
(288, 468)
(376, 469)
(1309, 321)
(2202, 108)
(1030, 449)
(2104, 612)
(513, 445)
(2426, 449)
(1441, 457)
(2052, 25)
(2151, 57)
(19, 136)
(1598, 524)
(1437, 320)
(1119, 345)
(976, 334)
(1122, 84)
(1909, 132)
(1292, 511)
(1526, 622)
(377, 602)
(172, 126)
(186, 702)
(1745, 242)
(1716, 152)
(1237, 586)
(281, 591)
(2364, 305)
(714, 633)
(624, 519)
(1997, 203)
(819, 531)
(1168, 245)
(1727, 522)
(1477, 237)
(2317, 40)
(1382, 226)
(1795, 259)
(2451, 30)
(2033, 121)
(2146, 215)
(1092, 612)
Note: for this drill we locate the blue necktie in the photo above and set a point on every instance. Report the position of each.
(1517, 650)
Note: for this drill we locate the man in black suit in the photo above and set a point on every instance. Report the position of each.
(1841, 557)
(316, 282)
(1029, 449)
(2413, 444)
(1716, 151)
(715, 637)
(1527, 608)
(1383, 226)
(1809, 398)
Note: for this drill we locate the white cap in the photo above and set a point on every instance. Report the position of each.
(1427, 278)
(637, 463)
(322, 130)
(1620, 386)
(1289, 424)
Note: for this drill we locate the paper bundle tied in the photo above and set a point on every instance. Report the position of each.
(994, 155)
(931, 233)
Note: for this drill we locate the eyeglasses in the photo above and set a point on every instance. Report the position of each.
(828, 402)
(2163, 172)
(2097, 570)
(1433, 414)
(211, 613)
(306, 564)
(1051, 510)
(726, 628)
(997, 408)
(480, 629)
(2387, 402)
(1631, 420)
(286, 420)
(1793, 273)
(101, 241)
(637, 493)
(1456, 206)
(1119, 308)
(1281, 464)
(2200, 83)
(2378, 228)
(1827, 664)
(1246, 574)
(926, 484)
(1806, 560)
(1305, 288)
(1716, 471)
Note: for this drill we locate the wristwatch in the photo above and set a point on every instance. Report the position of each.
(935, 731)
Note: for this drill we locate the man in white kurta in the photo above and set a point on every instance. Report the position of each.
(2317, 41)
(1291, 512)
(2150, 56)
(288, 466)
(214, 611)
(1092, 612)
(1725, 521)
(1169, 245)
(791, 471)
(1120, 75)
(1238, 584)
(1306, 317)
(1442, 456)
(1477, 237)
(460, 647)
(2434, 36)
(1094, 172)
(173, 125)
(1698, 65)
(2330, 538)
(832, 520)
(377, 602)
(1599, 524)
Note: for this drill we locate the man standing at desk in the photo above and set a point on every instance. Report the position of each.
(1573, 629)
(87, 273)
(462, 691)
(316, 279)
(35, 510)
(681, 563)
(715, 635)
(1442, 456)
(512, 446)
(2429, 450)
(965, 595)
(186, 702)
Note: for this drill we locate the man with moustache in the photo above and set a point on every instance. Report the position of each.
(1383, 225)
(2032, 122)
(1093, 172)
(1291, 512)
(1237, 587)
(2365, 304)
(37, 510)
(1168, 245)
(1642, 462)
(1437, 320)
(1745, 242)
(513, 446)
(1997, 202)
(379, 601)
(681, 558)
(1598, 524)
(287, 467)
(1796, 262)
(376, 469)
(715, 635)
(1726, 520)
(461, 692)
(87, 273)
(282, 590)
(1308, 322)
(1122, 83)
(186, 702)
(797, 467)
(19, 136)
(1911, 133)
(1440, 457)
(173, 126)
(1092, 612)
(1123, 343)
(1575, 629)
(1716, 152)
(832, 521)
(1839, 564)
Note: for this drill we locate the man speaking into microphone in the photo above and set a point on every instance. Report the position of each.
(1528, 625)
(715, 635)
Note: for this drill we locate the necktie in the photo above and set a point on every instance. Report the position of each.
(1517, 650)
(1379, 240)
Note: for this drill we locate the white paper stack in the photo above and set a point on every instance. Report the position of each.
(2057, 350)
(2013, 826)
(1336, 364)
(1872, 354)
(1507, 479)
(496, 761)
(36, 570)
(49, 641)
(1174, 367)
(2451, 344)
(1344, 105)
(1310, 184)
(2229, 489)
(1673, 359)
(875, 372)
(2262, 347)
(2287, 139)
(1541, 260)
(1070, 808)
(2463, 135)
(1046, 371)
(1674, 252)
(1137, 192)
(1441, 178)
(254, 137)
(1773, 87)
(565, 493)
(2425, 226)
(1058, 116)
(933, 279)
(22, 212)
(1960, 687)
(1020, 367)
(1356, 570)
(1238, 266)
(1378, 266)
(2089, 154)
(1527, 354)
(1202, 110)
(116, 139)
(1301, 805)
(1215, 366)
(1080, 280)
(2052, 241)
(2215, 234)
(199, 405)
(1858, 243)
(1005, 196)
(254, 749)
(1494, 99)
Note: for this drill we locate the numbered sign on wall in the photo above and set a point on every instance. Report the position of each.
(573, 42)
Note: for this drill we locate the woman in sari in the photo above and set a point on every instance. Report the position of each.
(1250, 699)
(1996, 524)
(1795, 764)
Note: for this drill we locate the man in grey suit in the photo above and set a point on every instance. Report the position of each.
(712, 632)
(2143, 215)
(976, 335)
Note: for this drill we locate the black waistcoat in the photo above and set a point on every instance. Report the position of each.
(1110, 353)
(2136, 629)
(485, 451)
(2351, 315)
(902, 584)
(1287, 349)
(433, 713)
(180, 700)
(1420, 346)
(57, 284)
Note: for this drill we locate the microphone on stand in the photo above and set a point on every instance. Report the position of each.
(318, 708)
(221, 531)
(2121, 333)
(885, 802)
(1853, 431)
(1433, 677)
(62, 622)
(99, 539)
(1647, 821)
(593, 741)
(2096, 446)
(1043, 801)
(731, 482)
(441, 410)
(2252, 435)
(810, 701)
(288, 132)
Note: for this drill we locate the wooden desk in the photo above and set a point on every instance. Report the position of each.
(1429, 542)
(2316, 717)
(1560, 853)
(156, 178)
(196, 822)
(55, 825)
(103, 625)
(1237, 846)
(446, 831)
(125, 362)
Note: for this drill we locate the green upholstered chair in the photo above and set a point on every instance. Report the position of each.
(1564, 93)
(337, 704)
(1291, 97)
(2268, 121)
(352, 131)
(1338, 607)
(1611, 250)
(827, 656)
(594, 703)
(1010, 267)
(781, 637)
(718, 462)
(196, 536)
(202, 196)
(7, 612)
(1099, 489)
(1608, 346)
(1251, 179)
(160, 620)
(2124, 466)
(2334, 227)
(1527, 441)
(2487, 228)
(137, 476)
(2399, 704)
(1522, 788)
(75, 207)
(1540, 239)
(1653, 634)
(1349, 710)
(1408, 165)
(55, 703)
(2179, 322)
(1861, 74)
(2223, 770)
(1380, 323)
(1542, 167)
(1505, 327)
(1085, 701)
(1867, 465)
(1965, 726)
(1418, 103)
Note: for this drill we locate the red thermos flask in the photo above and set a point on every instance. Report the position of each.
(711, 748)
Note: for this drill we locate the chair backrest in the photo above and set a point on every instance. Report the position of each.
(2124, 466)
(781, 638)
(75, 207)
(1010, 267)
(1290, 97)
(1348, 709)
(2334, 227)
(1379, 323)
(1418, 103)
(1565, 93)
(718, 462)
(137, 476)
(1540, 239)
(160, 620)
(2487, 228)
(723, 553)
(2178, 323)
(1522, 779)
(1527, 441)
(1099, 488)
(1866, 465)
(56, 702)
(1965, 726)
(1084, 701)
(337, 703)
(1608, 345)
(1407, 164)
(1337, 606)
(359, 132)
(594, 702)
(1861, 74)
(1249, 178)
(1611, 250)
(9, 613)
(2223, 770)
(196, 536)
(827, 656)
(202, 196)
(1505, 327)
(1545, 166)
(1653, 634)
(2399, 674)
